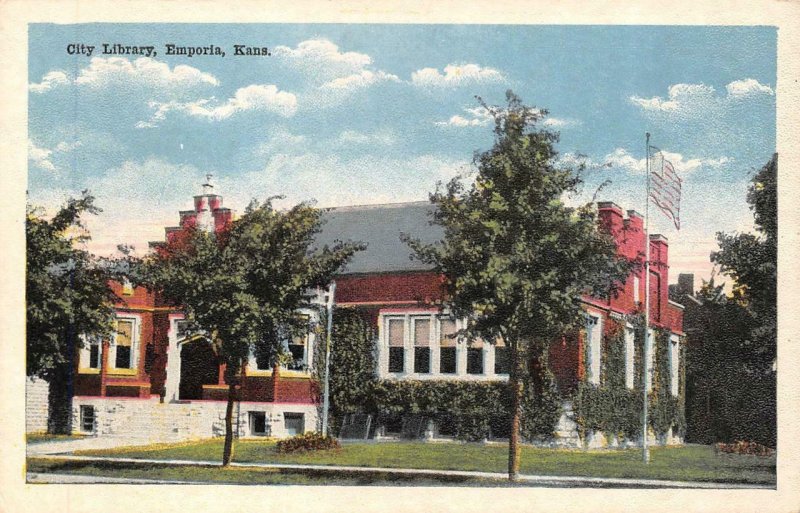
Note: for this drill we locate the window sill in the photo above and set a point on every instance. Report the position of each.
(122, 372)
(88, 370)
(284, 373)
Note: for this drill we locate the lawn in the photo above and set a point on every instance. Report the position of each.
(249, 476)
(688, 463)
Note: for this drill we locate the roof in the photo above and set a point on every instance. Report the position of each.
(380, 226)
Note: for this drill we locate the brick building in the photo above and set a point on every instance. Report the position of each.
(152, 378)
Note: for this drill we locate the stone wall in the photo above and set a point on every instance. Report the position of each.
(148, 418)
(36, 408)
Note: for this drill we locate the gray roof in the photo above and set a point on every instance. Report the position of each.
(380, 226)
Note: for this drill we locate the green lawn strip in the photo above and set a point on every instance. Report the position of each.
(35, 438)
(689, 463)
(233, 475)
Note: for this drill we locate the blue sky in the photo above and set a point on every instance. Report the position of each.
(354, 114)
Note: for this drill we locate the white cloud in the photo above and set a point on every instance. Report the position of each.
(480, 116)
(40, 157)
(747, 87)
(560, 123)
(49, 81)
(140, 199)
(679, 96)
(455, 75)
(320, 176)
(65, 147)
(477, 116)
(620, 158)
(697, 100)
(281, 141)
(360, 80)
(255, 97)
(353, 137)
(322, 56)
(103, 72)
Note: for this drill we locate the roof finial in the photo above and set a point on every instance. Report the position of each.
(208, 187)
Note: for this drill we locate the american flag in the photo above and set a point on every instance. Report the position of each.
(665, 186)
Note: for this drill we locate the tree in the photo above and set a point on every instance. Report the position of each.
(752, 261)
(732, 340)
(515, 258)
(242, 287)
(68, 298)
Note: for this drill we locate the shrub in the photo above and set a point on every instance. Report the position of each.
(307, 442)
(744, 447)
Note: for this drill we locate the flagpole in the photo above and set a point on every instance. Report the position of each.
(326, 393)
(645, 350)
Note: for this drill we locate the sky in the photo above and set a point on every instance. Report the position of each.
(347, 114)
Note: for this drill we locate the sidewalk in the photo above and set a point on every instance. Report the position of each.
(548, 481)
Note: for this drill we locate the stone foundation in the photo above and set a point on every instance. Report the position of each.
(36, 405)
(148, 418)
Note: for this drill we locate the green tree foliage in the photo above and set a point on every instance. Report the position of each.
(243, 286)
(752, 261)
(725, 400)
(67, 296)
(733, 341)
(352, 367)
(515, 258)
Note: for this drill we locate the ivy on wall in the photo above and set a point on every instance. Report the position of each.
(467, 410)
(615, 409)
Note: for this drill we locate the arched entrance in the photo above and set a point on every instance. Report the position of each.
(199, 366)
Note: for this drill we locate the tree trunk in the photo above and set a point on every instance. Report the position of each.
(515, 387)
(59, 399)
(227, 453)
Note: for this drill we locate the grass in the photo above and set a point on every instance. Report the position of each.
(687, 463)
(234, 475)
(35, 438)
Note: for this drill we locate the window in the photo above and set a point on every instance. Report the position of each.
(258, 423)
(87, 418)
(127, 287)
(94, 353)
(447, 346)
(90, 356)
(475, 357)
(422, 350)
(123, 344)
(635, 289)
(674, 363)
(594, 333)
(293, 422)
(629, 353)
(396, 329)
(297, 347)
(502, 358)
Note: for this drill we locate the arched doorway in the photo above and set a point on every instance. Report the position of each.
(199, 366)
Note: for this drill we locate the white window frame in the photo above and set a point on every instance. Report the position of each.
(411, 332)
(674, 363)
(308, 351)
(386, 348)
(85, 356)
(594, 341)
(135, 337)
(409, 318)
(630, 352)
(81, 409)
